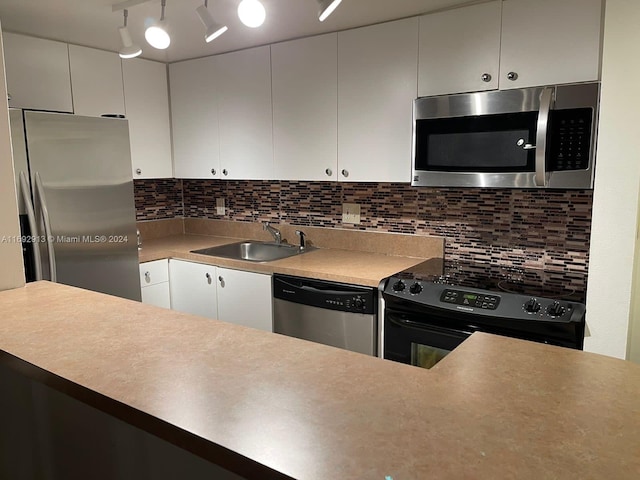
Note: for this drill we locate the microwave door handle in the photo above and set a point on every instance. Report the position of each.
(31, 216)
(47, 228)
(546, 99)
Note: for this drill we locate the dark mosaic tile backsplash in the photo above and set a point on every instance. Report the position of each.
(534, 228)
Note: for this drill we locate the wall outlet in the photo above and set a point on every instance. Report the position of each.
(350, 213)
(220, 209)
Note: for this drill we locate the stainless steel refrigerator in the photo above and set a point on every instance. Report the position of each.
(75, 193)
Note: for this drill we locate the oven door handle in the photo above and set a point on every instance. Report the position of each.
(425, 327)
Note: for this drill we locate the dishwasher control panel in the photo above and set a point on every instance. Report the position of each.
(323, 294)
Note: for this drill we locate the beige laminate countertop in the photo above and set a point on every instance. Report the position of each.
(494, 408)
(360, 268)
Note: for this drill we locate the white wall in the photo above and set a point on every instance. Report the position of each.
(615, 203)
(11, 265)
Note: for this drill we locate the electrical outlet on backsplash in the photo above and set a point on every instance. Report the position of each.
(537, 228)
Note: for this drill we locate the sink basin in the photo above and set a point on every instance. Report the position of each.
(252, 251)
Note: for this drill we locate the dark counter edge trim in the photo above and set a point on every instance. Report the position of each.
(209, 451)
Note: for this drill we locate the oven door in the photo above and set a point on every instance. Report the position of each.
(411, 339)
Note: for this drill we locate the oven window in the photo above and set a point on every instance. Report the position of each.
(482, 143)
(426, 356)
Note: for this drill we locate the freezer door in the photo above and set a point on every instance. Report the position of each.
(84, 167)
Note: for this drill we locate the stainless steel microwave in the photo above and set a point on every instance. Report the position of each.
(542, 137)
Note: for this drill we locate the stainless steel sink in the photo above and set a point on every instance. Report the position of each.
(253, 251)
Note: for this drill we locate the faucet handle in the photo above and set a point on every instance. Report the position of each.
(302, 235)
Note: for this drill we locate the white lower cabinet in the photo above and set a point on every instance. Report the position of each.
(233, 296)
(193, 288)
(244, 298)
(154, 283)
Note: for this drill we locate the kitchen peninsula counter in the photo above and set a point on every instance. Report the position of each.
(268, 406)
(347, 266)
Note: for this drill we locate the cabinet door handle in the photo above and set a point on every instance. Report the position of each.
(138, 171)
(329, 172)
(221, 279)
(345, 173)
(208, 278)
(225, 172)
(147, 277)
(513, 76)
(213, 171)
(486, 77)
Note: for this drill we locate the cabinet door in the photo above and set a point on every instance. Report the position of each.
(246, 132)
(152, 273)
(37, 73)
(193, 288)
(460, 50)
(96, 78)
(194, 118)
(244, 298)
(550, 41)
(146, 98)
(157, 295)
(377, 83)
(305, 101)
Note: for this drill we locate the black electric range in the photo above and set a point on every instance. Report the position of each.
(433, 307)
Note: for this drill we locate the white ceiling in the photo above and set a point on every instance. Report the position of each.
(92, 22)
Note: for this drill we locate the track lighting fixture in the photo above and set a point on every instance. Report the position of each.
(214, 29)
(128, 50)
(251, 13)
(157, 35)
(326, 8)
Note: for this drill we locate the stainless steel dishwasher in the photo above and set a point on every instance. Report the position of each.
(336, 314)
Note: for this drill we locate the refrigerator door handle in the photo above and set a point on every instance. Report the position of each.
(47, 228)
(31, 215)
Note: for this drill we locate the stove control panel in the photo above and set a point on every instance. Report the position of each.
(460, 297)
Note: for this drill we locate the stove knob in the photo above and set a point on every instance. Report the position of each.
(398, 286)
(415, 288)
(556, 310)
(532, 306)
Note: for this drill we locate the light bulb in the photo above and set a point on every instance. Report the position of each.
(157, 36)
(251, 13)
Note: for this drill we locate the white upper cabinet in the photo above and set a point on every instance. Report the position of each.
(377, 83)
(37, 73)
(510, 44)
(96, 80)
(460, 50)
(147, 104)
(194, 118)
(246, 131)
(305, 108)
(548, 42)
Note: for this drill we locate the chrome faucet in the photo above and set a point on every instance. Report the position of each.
(277, 236)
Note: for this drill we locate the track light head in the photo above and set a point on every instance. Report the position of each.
(251, 13)
(128, 50)
(326, 8)
(213, 29)
(156, 34)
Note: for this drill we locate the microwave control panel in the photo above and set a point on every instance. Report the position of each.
(570, 145)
